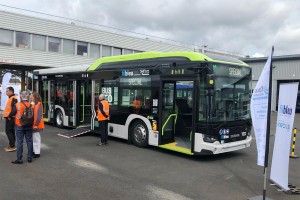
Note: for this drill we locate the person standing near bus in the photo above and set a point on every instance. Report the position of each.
(103, 117)
(23, 130)
(38, 123)
(10, 119)
(137, 105)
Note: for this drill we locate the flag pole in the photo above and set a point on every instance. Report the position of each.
(268, 129)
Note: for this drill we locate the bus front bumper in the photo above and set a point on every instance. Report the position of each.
(217, 147)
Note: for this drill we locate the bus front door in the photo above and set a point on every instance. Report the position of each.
(168, 116)
(177, 114)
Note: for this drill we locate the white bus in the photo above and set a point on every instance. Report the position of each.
(190, 102)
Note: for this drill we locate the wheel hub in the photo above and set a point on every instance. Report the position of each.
(140, 133)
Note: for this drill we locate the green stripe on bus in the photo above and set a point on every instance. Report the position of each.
(173, 147)
(192, 56)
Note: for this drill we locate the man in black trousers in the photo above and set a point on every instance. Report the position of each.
(103, 117)
(10, 119)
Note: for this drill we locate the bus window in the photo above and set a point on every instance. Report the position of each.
(137, 99)
(61, 92)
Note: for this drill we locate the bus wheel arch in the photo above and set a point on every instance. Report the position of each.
(59, 118)
(139, 133)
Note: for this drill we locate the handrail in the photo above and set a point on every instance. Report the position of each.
(83, 101)
(171, 115)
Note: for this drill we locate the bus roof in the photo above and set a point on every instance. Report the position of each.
(159, 56)
(68, 69)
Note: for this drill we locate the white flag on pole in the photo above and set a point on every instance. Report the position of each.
(259, 110)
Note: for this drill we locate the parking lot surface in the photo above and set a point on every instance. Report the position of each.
(78, 169)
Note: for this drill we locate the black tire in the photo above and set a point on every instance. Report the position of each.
(59, 119)
(139, 134)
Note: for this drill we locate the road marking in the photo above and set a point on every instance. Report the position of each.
(228, 178)
(44, 146)
(90, 165)
(160, 193)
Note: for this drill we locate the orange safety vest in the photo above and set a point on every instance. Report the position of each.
(36, 109)
(137, 103)
(8, 107)
(71, 96)
(20, 109)
(105, 104)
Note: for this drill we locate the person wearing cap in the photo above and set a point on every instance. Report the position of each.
(103, 117)
(10, 119)
(22, 131)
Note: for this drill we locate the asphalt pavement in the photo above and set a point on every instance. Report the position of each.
(78, 169)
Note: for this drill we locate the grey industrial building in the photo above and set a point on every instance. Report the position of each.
(284, 69)
(36, 41)
(28, 42)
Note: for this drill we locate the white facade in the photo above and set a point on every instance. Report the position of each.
(34, 41)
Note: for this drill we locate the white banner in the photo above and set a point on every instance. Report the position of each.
(259, 110)
(4, 97)
(284, 127)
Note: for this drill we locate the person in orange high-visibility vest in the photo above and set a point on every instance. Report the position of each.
(10, 119)
(137, 104)
(103, 117)
(23, 130)
(38, 124)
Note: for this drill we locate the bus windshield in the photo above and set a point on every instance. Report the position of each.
(230, 100)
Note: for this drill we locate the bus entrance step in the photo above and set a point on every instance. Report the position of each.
(74, 132)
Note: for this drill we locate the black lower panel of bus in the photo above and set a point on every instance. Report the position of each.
(74, 132)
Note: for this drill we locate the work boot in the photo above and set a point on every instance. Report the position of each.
(17, 162)
(10, 149)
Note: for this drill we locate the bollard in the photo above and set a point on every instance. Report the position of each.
(293, 145)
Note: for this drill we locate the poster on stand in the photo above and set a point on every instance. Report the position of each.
(284, 127)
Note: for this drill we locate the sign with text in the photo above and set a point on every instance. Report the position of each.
(284, 126)
(259, 110)
(135, 81)
(137, 72)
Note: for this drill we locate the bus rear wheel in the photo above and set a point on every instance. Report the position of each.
(59, 119)
(139, 134)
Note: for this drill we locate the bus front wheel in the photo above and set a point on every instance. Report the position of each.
(139, 134)
(59, 119)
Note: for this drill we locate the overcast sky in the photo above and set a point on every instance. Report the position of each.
(246, 27)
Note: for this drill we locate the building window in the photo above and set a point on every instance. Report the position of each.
(106, 51)
(82, 48)
(69, 46)
(128, 51)
(6, 37)
(117, 51)
(22, 40)
(39, 42)
(54, 44)
(95, 50)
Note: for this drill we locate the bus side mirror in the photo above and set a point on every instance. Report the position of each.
(210, 81)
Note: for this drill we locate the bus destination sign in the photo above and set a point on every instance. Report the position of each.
(136, 81)
(232, 71)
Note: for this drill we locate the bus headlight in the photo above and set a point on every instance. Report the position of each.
(210, 139)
